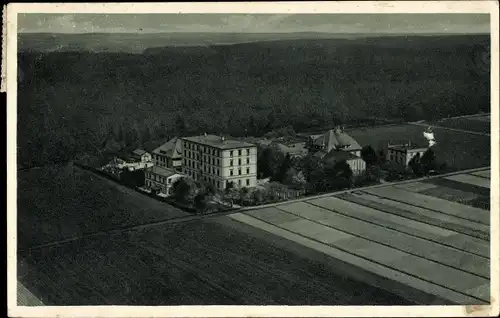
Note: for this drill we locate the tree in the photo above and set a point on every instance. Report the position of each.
(369, 155)
(269, 161)
(182, 189)
(284, 167)
(338, 176)
(428, 161)
(257, 197)
(416, 165)
(200, 201)
(381, 156)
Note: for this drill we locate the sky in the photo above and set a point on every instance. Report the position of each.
(255, 23)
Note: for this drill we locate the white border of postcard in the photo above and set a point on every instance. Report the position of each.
(10, 54)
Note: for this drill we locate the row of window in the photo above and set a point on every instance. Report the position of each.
(231, 172)
(158, 178)
(240, 152)
(205, 149)
(231, 162)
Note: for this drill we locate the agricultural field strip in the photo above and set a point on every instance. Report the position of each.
(26, 297)
(476, 232)
(173, 220)
(379, 269)
(469, 179)
(403, 242)
(452, 129)
(410, 227)
(483, 174)
(457, 210)
(383, 254)
(183, 266)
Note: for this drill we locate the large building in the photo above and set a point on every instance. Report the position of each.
(169, 155)
(403, 153)
(219, 161)
(161, 179)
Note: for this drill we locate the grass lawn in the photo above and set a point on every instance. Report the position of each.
(59, 202)
(460, 150)
(477, 124)
(203, 262)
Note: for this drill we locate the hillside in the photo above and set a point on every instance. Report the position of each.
(74, 102)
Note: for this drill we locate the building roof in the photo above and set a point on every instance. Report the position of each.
(296, 148)
(164, 172)
(218, 142)
(336, 138)
(172, 148)
(139, 152)
(407, 147)
(339, 155)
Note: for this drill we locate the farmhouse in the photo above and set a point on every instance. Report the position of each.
(334, 139)
(160, 179)
(403, 153)
(169, 154)
(218, 161)
(136, 160)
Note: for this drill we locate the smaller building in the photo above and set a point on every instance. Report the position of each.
(335, 138)
(160, 179)
(357, 164)
(141, 155)
(297, 149)
(403, 153)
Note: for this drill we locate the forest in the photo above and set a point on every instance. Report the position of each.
(85, 103)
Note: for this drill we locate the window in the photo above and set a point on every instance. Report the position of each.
(231, 172)
(248, 170)
(239, 152)
(239, 172)
(231, 153)
(231, 162)
(239, 162)
(169, 181)
(248, 161)
(185, 153)
(248, 182)
(248, 152)
(239, 182)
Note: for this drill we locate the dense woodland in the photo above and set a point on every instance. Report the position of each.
(74, 103)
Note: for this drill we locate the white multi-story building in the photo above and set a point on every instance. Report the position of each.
(219, 161)
(403, 153)
(161, 179)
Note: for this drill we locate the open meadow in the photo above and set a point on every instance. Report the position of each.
(64, 201)
(460, 150)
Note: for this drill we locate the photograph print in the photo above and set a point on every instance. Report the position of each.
(168, 159)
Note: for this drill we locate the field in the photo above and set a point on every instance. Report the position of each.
(60, 202)
(403, 233)
(189, 264)
(479, 124)
(460, 150)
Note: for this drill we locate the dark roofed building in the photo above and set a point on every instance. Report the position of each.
(335, 138)
(169, 154)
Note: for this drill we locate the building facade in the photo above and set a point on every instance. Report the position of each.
(357, 164)
(403, 153)
(160, 179)
(141, 155)
(219, 161)
(169, 154)
(334, 139)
